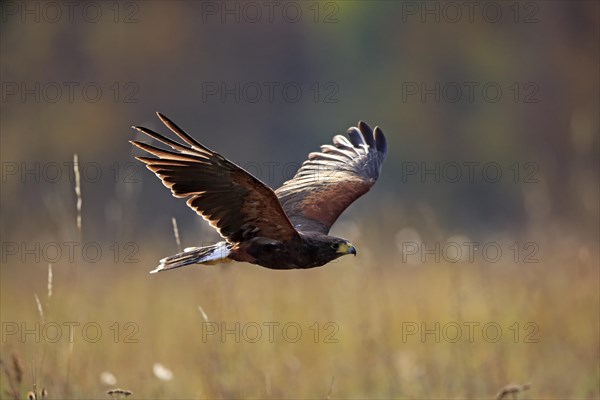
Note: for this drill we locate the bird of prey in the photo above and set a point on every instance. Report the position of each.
(282, 229)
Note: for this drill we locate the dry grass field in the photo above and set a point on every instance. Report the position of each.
(374, 326)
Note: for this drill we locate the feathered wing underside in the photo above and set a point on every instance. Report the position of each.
(330, 180)
(237, 204)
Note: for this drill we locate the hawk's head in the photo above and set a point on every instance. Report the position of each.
(341, 247)
(325, 248)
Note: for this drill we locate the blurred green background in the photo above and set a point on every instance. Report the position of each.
(76, 77)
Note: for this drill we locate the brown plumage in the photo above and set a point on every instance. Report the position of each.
(283, 229)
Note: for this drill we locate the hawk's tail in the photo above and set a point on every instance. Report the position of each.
(196, 255)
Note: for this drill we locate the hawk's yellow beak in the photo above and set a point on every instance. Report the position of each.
(347, 248)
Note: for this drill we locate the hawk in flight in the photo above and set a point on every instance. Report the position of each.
(282, 229)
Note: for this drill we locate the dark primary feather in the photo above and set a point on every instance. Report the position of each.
(330, 180)
(232, 200)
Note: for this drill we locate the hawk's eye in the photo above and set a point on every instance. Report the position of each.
(335, 246)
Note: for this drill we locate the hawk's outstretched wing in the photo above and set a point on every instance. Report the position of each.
(329, 181)
(237, 204)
